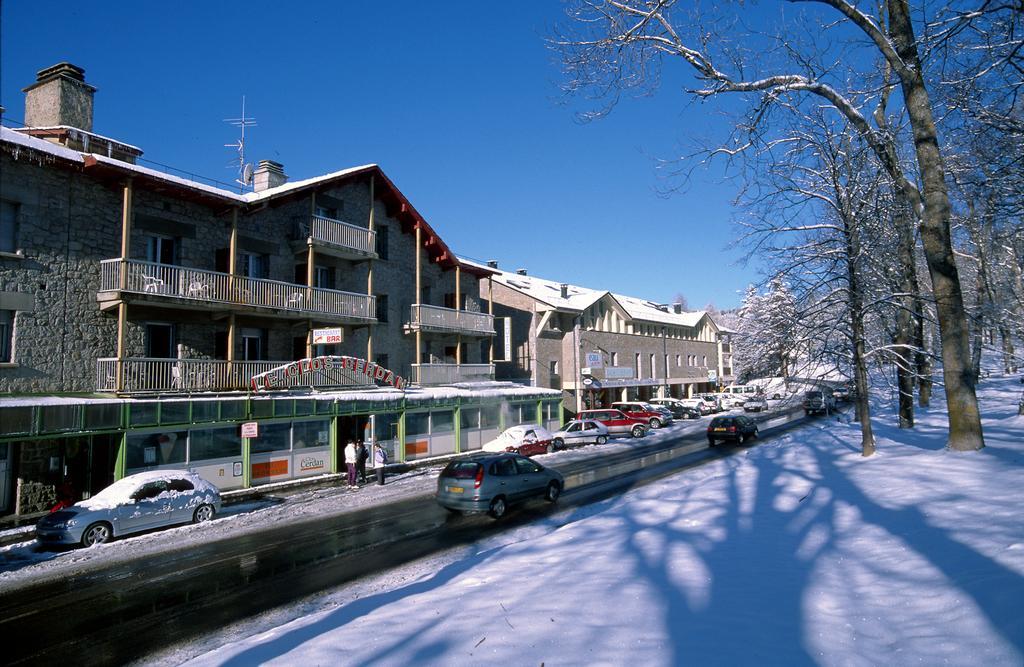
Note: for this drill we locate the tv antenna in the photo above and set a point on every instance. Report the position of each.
(244, 168)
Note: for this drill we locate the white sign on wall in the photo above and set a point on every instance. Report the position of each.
(508, 339)
(595, 360)
(327, 336)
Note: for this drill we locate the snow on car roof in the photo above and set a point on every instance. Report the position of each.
(120, 491)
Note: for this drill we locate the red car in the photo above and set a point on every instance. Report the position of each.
(618, 422)
(643, 412)
(527, 439)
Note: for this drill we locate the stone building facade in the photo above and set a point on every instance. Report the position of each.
(136, 306)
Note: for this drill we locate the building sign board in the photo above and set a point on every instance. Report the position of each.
(278, 378)
(595, 359)
(618, 373)
(712, 376)
(251, 430)
(327, 336)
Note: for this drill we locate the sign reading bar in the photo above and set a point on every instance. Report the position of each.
(282, 376)
(251, 430)
(327, 336)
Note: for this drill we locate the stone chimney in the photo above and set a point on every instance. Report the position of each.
(268, 174)
(60, 96)
(520, 272)
(563, 289)
(677, 308)
(492, 263)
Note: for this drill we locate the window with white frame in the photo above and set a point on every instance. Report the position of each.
(162, 249)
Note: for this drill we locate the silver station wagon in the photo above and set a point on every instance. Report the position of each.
(144, 501)
(492, 483)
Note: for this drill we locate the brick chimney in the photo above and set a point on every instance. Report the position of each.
(268, 174)
(677, 308)
(563, 289)
(60, 96)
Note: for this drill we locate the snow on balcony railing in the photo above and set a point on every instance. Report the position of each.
(343, 234)
(181, 282)
(437, 374)
(147, 375)
(449, 319)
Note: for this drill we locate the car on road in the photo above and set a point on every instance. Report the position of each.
(525, 439)
(491, 483)
(617, 422)
(819, 400)
(844, 392)
(697, 403)
(712, 401)
(144, 501)
(654, 417)
(579, 432)
(755, 403)
(676, 407)
(736, 428)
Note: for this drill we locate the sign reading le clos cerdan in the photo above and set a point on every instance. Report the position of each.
(296, 373)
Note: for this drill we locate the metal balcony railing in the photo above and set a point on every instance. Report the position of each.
(342, 235)
(146, 375)
(438, 374)
(156, 280)
(436, 318)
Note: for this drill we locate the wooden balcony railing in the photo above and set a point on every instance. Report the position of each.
(438, 374)
(342, 235)
(144, 375)
(163, 280)
(436, 318)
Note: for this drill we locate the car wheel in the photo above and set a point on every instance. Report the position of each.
(97, 533)
(638, 431)
(754, 434)
(555, 445)
(203, 513)
(655, 422)
(554, 490)
(601, 439)
(711, 442)
(498, 508)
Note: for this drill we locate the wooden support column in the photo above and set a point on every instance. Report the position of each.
(310, 276)
(122, 307)
(232, 289)
(419, 290)
(490, 310)
(458, 307)
(371, 225)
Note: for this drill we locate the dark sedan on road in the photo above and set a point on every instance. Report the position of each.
(492, 483)
(735, 428)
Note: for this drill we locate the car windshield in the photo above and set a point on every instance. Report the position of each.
(814, 394)
(461, 470)
(723, 421)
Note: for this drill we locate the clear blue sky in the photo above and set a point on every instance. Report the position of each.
(458, 103)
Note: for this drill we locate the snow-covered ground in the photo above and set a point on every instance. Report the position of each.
(796, 551)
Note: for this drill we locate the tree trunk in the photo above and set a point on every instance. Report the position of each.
(965, 432)
(922, 356)
(1009, 360)
(860, 373)
(978, 328)
(905, 316)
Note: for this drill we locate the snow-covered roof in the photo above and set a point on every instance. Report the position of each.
(549, 292)
(74, 131)
(295, 185)
(578, 299)
(8, 135)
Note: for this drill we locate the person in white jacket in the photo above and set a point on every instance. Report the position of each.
(350, 462)
(380, 459)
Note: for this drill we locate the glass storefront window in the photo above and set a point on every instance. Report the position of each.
(273, 438)
(60, 417)
(232, 410)
(146, 450)
(174, 412)
(263, 408)
(442, 421)
(102, 415)
(17, 419)
(204, 411)
(469, 418)
(142, 413)
(303, 407)
(490, 416)
(311, 434)
(214, 443)
(417, 424)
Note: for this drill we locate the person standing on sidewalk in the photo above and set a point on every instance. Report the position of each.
(380, 459)
(361, 456)
(350, 462)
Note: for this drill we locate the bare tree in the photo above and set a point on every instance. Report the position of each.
(618, 44)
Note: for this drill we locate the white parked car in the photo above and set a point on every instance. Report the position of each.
(139, 502)
(698, 403)
(525, 439)
(755, 403)
(580, 432)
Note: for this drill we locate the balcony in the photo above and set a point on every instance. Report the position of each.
(197, 289)
(146, 376)
(448, 320)
(427, 375)
(341, 239)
